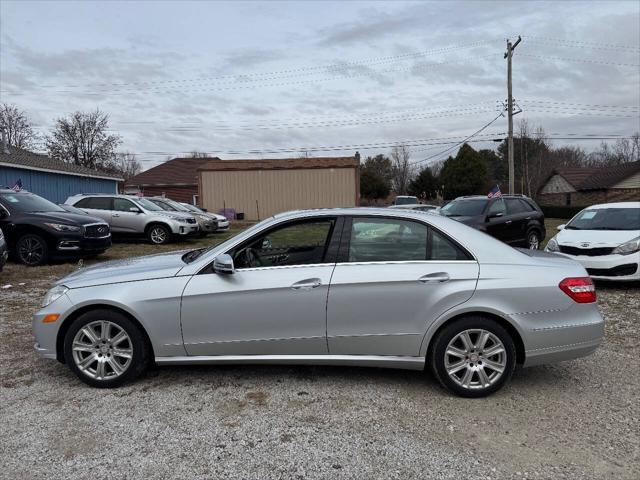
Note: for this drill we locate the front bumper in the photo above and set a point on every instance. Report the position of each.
(46, 334)
(73, 246)
(184, 229)
(223, 225)
(610, 267)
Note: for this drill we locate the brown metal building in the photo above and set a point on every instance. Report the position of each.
(261, 188)
(176, 179)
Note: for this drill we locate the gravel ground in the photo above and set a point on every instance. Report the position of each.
(574, 420)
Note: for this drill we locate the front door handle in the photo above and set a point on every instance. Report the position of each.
(438, 277)
(508, 222)
(307, 284)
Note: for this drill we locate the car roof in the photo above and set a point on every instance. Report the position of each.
(614, 205)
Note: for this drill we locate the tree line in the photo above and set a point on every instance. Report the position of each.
(81, 138)
(475, 172)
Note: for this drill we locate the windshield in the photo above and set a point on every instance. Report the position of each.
(606, 219)
(177, 206)
(406, 200)
(191, 208)
(148, 205)
(463, 208)
(28, 203)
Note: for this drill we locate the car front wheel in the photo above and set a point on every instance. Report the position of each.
(473, 356)
(105, 349)
(32, 250)
(159, 234)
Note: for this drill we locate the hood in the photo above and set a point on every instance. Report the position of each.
(595, 238)
(181, 215)
(62, 217)
(126, 270)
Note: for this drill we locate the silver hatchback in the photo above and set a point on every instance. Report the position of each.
(366, 287)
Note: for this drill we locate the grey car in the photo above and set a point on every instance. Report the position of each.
(206, 224)
(136, 216)
(365, 287)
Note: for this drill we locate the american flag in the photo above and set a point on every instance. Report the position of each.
(17, 186)
(495, 192)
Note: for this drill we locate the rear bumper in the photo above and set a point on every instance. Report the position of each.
(610, 267)
(555, 336)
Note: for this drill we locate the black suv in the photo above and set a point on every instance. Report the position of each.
(37, 230)
(514, 219)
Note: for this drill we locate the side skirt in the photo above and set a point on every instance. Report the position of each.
(385, 361)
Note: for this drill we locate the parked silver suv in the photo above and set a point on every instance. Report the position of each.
(135, 215)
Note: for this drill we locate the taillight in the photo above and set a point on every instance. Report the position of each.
(580, 289)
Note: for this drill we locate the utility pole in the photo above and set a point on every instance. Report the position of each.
(508, 55)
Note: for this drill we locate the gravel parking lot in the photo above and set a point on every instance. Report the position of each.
(578, 419)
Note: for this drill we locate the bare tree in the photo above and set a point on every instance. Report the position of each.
(127, 165)
(402, 169)
(83, 139)
(622, 151)
(17, 126)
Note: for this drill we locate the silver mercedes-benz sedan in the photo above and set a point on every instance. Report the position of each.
(364, 287)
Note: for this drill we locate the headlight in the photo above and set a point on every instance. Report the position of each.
(204, 218)
(54, 294)
(60, 227)
(629, 247)
(552, 246)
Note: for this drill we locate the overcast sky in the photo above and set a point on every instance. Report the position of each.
(231, 78)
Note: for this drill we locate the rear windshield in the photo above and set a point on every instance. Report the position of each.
(28, 203)
(463, 208)
(606, 219)
(406, 200)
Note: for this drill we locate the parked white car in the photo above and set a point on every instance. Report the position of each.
(605, 239)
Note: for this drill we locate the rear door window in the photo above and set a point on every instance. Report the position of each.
(387, 240)
(99, 203)
(515, 206)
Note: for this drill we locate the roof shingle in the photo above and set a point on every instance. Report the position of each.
(21, 158)
(177, 171)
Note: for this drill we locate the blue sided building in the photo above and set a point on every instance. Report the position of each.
(52, 179)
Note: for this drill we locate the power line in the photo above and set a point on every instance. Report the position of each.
(582, 44)
(501, 114)
(287, 72)
(569, 59)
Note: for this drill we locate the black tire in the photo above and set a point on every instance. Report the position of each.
(158, 234)
(533, 240)
(136, 343)
(438, 356)
(32, 250)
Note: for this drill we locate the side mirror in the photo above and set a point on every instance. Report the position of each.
(223, 263)
(204, 209)
(134, 209)
(561, 227)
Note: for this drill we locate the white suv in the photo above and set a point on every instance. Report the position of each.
(135, 215)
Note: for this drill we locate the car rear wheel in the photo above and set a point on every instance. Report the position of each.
(533, 240)
(473, 357)
(105, 349)
(159, 234)
(32, 250)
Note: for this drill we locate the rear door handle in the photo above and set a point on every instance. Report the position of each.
(508, 222)
(115, 215)
(307, 284)
(438, 277)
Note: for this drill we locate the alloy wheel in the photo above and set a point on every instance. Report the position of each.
(158, 235)
(30, 250)
(102, 350)
(475, 359)
(534, 241)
